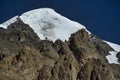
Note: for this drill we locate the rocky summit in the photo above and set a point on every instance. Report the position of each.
(24, 56)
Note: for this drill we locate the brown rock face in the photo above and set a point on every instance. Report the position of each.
(23, 56)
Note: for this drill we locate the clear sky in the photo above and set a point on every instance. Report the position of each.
(101, 17)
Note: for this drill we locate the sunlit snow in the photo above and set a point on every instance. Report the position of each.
(112, 57)
(47, 23)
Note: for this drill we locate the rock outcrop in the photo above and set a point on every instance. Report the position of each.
(118, 56)
(23, 56)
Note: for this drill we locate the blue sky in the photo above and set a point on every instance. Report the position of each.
(101, 17)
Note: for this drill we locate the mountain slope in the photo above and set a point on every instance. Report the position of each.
(23, 56)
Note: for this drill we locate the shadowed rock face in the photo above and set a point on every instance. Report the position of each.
(118, 56)
(23, 56)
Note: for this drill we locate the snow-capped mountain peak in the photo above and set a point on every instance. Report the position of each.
(48, 23)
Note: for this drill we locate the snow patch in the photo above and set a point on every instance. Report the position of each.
(3, 26)
(112, 57)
